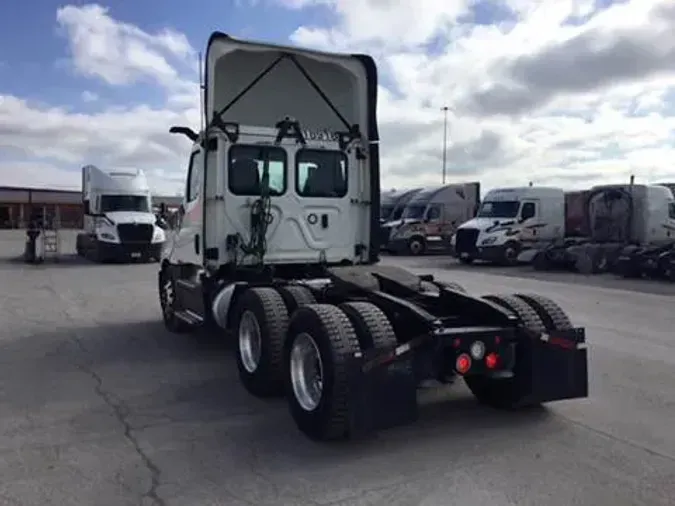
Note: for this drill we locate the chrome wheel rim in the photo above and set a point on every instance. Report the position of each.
(306, 372)
(250, 341)
(167, 288)
(415, 247)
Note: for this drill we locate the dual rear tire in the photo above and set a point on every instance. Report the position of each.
(288, 344)
(538, 315)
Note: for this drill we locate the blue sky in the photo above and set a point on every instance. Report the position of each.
(31, 44)
(571, 91)
(33, 48)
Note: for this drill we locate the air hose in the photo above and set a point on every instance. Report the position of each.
(261, 217)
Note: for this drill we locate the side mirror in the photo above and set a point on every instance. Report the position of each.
(186, 131)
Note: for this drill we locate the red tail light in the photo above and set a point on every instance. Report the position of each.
(463, 363)
(491, 360)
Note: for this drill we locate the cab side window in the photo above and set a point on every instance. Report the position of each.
(434, 213)
(194, 172)
(528, 211)
(671, 210)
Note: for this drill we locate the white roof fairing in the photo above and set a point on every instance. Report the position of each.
(232, 65)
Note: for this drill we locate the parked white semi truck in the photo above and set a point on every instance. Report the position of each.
(277, 248)
(510, 220)
(118, 218)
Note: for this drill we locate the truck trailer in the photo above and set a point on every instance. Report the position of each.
(278, 250)
(118, 219)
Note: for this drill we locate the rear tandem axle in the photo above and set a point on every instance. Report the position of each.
(349, 351)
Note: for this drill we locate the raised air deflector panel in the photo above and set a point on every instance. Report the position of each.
(233, 65)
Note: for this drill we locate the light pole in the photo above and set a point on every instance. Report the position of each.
(445, 139)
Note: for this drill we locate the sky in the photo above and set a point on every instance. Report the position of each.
(558, 92)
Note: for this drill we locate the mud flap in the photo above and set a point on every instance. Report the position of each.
(383, 392)
(559, 366)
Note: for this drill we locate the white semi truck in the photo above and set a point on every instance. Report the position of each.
(118, 218)
(277, 248)
(508, 221)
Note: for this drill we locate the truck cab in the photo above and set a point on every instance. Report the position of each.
(508, 220)
(392, 205)
(118, 219)
(636, 214)
(431, 217)
(263, 187)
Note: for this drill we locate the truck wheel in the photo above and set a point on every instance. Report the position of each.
(321, 342)
(168, 303)
(466, 260)
(416, 245)
(295, 296)
(261, 320)
(372, 327)
(551, 314)
(508, 393)
(511, 252)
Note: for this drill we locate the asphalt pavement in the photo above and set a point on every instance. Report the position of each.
(99, 405)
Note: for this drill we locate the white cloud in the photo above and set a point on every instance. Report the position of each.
(559, 92)
(89, 96)
(53, 138)
(556, 92)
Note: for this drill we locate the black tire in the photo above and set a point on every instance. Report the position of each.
(335, 337)
(551, 314)
(508, 393)
(466, 260)
(417, 245)
(295, 296)
(527, 316)
(372, 327)
(511, 251)
(168, 303)
(267, 308)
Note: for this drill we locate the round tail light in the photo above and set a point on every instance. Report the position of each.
(463, 363)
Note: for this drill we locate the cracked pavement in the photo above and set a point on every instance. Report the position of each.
(99, 405)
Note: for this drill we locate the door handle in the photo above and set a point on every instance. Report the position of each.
(197, 244)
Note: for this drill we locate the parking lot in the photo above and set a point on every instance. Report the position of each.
(99, 405)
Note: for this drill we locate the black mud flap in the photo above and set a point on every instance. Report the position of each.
(559, 366)
(383, 392)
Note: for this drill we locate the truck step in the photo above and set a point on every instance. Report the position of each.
(189, 317)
